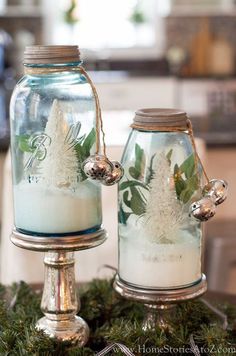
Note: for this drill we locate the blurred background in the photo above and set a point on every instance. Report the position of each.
(152, 53)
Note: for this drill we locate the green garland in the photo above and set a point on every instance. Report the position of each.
(111, 319)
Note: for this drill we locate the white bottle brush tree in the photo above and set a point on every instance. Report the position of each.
(60, 167)
(162, 209)
(58, 151)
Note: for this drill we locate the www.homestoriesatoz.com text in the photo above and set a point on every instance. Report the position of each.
(145, 350)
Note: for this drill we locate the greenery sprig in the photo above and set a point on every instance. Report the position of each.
(186, 179)
(111, 319)
(82, 147)
(133, 197)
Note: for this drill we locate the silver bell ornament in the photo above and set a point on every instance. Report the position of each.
(97, 167)
(115, 175)
(203, 209)
(217, 190)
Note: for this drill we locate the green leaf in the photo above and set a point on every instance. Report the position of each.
(150, 168)
(193, 183)
(188, 166)
(132, 183)
(186, 195)
(180, 185)
(139, 159)
(79, 151)
(133, 172)
(23, 142)
(88, 143)
(126, 200)
(83, 149)
(80, 139)
(185, 188)
(176, 169)
(169, 154)
(82, 174)
(137, 204)
(123, 216)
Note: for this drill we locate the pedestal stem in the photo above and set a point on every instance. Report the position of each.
(59, 299)
(159, 303)
(59, 302)
(158, 316)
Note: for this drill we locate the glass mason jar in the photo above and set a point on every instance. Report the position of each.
(159, 243)
(53, 130)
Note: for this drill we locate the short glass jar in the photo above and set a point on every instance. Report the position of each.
(53, 131)
(159, 243)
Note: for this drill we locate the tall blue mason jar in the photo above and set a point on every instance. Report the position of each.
(52, 116)
(159, 243)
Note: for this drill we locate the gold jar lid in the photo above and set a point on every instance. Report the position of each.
(51, 54)
(155, 119)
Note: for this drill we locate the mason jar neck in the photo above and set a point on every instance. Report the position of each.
(53, 65)
(50, 68)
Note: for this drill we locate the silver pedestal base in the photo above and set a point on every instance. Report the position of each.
(59, 301)
(64, 243)
(159, 303)
(74, 331)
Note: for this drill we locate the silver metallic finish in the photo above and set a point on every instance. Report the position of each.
(203, 209)
(97, 167)
(59, 301)
(217, 190)
(159, 302)
(115, 175)
(65, 243)
(158, 315)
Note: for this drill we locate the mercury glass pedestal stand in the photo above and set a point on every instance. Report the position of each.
(59, 301)
(159, 303)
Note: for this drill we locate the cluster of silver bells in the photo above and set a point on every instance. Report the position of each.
(214, 193)
(98, 167)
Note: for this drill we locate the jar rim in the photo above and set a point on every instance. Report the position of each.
(56, 54)
(160, 118)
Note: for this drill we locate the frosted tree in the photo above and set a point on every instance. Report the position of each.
(60, 166)
(163, 210)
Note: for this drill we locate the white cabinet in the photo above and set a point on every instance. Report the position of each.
(194, 94)
(136, 93)
(190, 95)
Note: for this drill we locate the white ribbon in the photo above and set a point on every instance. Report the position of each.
(194, 347)
(218, 312)
(110, 347)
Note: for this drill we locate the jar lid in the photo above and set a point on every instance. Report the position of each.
(160, 119)
(51, 54)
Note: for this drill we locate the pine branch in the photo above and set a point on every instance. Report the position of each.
(111, 319)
